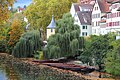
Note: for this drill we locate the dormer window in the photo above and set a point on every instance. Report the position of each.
(96, 8)
(115, 6)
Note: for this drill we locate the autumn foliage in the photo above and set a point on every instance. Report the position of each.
(15, 32)
(4, 4)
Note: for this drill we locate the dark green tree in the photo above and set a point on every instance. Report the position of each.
(96, 48)
(112, 61)
(28, 44)
(66, 40)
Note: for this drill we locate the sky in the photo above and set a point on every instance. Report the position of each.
(21, 3)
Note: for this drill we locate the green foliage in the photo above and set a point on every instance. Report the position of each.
(39, 13)
(95, 49)
(16, 30)
(66, 40)
(2, 46)
(29, 43)
(4, 6)
(74, 45)
(41, 55)
(112, 61)
(4, 38)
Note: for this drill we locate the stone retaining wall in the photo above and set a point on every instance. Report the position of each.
(32, 70)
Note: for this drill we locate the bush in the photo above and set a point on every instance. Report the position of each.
(29, 43)
(2, 46)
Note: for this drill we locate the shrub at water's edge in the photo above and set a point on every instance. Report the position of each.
(29, 43)
(112, 61)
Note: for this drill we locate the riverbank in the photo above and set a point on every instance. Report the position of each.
(26, 66)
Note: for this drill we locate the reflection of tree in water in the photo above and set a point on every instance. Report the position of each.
(12, 75)
(28, 72)
(9, 71)
(23, 72)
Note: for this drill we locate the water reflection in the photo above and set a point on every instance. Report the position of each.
(2, 74)
(7, 72)
(14, 72)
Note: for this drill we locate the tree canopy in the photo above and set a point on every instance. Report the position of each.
(28, 44)
(112, 61)
(66, 40)
(4, 4)
(39, 13)
(95, 50)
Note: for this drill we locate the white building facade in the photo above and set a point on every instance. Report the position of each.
(99, 17)
(104, 18)
(96, 18)
(82, 17)
(113, 18)
(74, 8)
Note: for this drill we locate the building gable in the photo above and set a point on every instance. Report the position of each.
(96, 8)
(74, 8)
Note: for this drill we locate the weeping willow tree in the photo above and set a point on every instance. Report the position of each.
(66, 41)
(29, 43)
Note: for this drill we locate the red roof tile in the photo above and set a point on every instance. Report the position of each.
(104, 6)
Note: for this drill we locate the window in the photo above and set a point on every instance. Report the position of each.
(51, 30)
(107, 15)
(98, 15)
(96, 23)
(76, 20)
(117, 14)
(84, 33)
(95, 30)
(84, 27)
(113, 23)
(92, 23)
(96, 8)
(110, 24)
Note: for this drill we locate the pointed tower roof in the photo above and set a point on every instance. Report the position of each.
(52, 24)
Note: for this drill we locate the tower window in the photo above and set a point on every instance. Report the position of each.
(51, 30)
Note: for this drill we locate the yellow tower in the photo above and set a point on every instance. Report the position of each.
(51, 27)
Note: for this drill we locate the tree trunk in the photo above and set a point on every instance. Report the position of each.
(100, 68)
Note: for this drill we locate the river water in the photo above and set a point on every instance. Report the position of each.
(10, 72)
(3, 75)
(7, 72)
